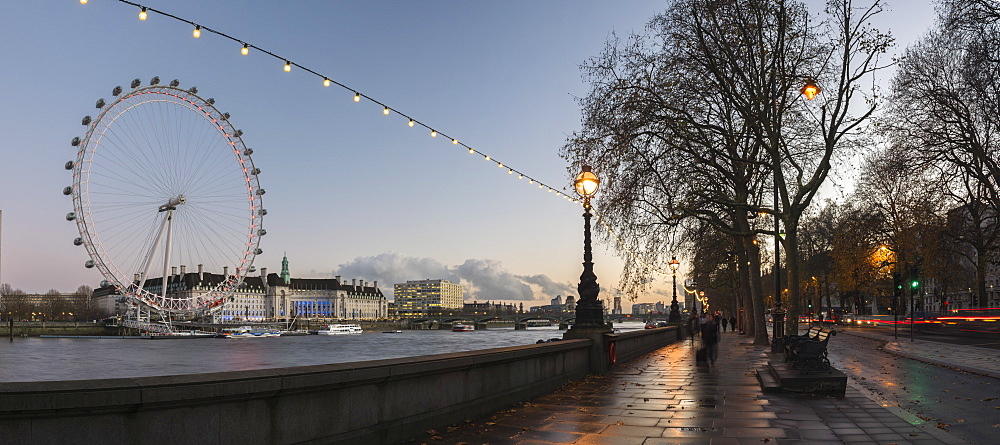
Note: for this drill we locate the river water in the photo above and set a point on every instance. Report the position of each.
(46, 359)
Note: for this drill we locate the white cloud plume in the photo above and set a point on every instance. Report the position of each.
(483, 279)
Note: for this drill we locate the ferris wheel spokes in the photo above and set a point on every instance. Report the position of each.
(166, 226)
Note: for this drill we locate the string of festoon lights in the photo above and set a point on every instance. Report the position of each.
(245, 49)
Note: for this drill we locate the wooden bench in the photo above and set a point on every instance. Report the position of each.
(792, 339)
(810, 353)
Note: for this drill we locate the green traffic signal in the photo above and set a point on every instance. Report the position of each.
(915, 284)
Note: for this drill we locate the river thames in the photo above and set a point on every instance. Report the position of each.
(47, 359)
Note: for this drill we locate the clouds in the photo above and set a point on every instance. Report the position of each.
(483, 279)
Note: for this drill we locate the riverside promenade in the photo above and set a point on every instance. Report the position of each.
(665, 397)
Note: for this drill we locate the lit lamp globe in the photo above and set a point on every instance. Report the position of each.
(810, 90)
(586, 183)
(674, 264)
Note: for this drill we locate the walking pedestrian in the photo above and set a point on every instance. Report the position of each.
(732, 322)
(710, 336)
(725, 323)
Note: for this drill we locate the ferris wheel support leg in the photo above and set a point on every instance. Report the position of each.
(166, 252)
(152, 252)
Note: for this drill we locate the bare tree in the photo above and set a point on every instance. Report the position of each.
(691, 122)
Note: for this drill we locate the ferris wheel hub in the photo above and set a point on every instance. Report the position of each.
(172, 203)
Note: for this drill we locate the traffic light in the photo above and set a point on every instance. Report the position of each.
(915, 284)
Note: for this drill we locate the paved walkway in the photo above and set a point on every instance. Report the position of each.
(666, 398)
(972, 359)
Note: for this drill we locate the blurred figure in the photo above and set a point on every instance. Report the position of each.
(725, 323)
(710, 336)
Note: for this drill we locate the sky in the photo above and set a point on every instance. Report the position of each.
(350, 192)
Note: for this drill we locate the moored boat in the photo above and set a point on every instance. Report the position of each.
(248, 332)
(340, 329)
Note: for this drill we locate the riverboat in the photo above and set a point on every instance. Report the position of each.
(248, 332)
(463, 327)
(340, 329)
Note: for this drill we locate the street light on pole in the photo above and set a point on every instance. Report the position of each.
(589, 311)
(809, 90)
(675, 313)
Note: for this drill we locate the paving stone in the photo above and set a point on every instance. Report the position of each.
(666, 398)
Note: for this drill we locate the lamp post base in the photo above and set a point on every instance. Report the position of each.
(675, 312)
(778, 329)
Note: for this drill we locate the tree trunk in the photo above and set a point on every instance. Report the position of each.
(792, 264)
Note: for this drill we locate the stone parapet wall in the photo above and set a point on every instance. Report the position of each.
(380, 401)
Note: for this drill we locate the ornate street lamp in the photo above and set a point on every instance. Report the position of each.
(675, 313)
(589, 311)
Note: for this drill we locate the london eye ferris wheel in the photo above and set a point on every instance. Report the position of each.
(162, 179)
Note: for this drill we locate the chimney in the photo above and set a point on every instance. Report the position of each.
(263, 273)
(337, 278)
(225, 271)
(354, 282)
(183, 269)
(375, 284)
(366, 284)
(173, 270)
(201, 272)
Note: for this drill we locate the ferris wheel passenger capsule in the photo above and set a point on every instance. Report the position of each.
(89, 264)
(238, 133)
(260, 192)
(70, 216)
(211, 101)
(225, 116)
(135, 83)
(67, 190)
(175, 83)
(86, 120)
(252, 269)
(262, 212)
(261, 232)
(100, 103)
(117, 90)
(248, 152)
(105, 283)
(155, 80)
(258, 251)
(255, 171)
(69, 165)
(78, 241)
(75, 142)
(193, 90)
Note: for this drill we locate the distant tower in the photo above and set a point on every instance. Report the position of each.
(618, 306)
(285, 276)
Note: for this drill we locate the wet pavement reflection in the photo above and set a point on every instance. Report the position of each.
(666, 397)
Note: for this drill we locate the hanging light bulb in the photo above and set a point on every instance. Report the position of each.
(520, 176)
(142, 14)
(434, 133)
(83, 2)
(487, 157)
(245, 50)
(499, 165)
(471, 151)
(510, 172)
(357, 96)
(385, 111)
(197, 31)
(288, 66)
(410, 123)
(326, 82)
(454, 141)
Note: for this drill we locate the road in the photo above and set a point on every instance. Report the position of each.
(967, 405)
(991, 342)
